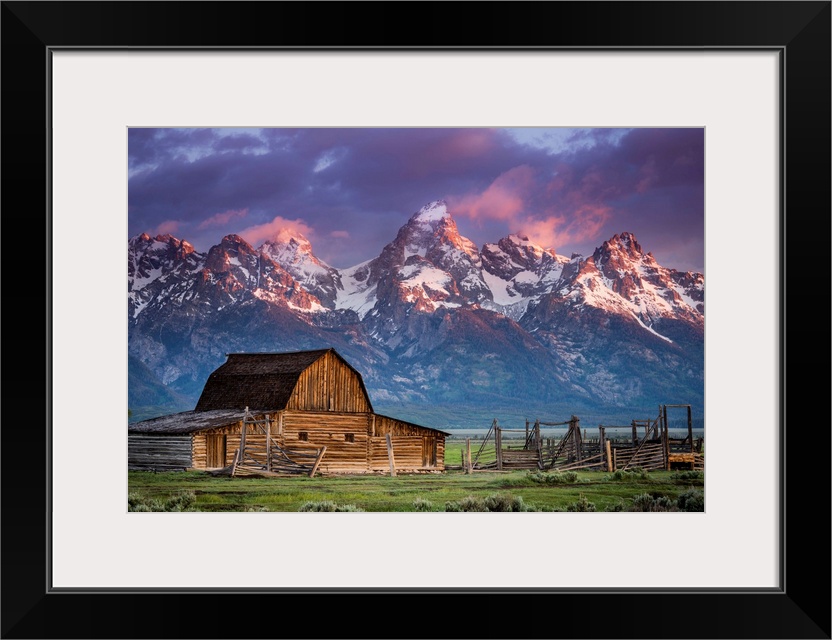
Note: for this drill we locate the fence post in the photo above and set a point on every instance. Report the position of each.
(468, 465)
(498, 440)
(390, 456)
(690, 430)
(268, 443)
(538, 443)
(601, 446)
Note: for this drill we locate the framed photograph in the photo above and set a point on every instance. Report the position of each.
(85, 83)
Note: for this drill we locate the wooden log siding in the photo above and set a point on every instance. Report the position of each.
(232, 443)
(385, 425)
(331, 430)
(440, 453)
(408, 452)
(232, 432)
(148, 452)
(347, 437)
(416, 441)
(328, 384)
(406, 449)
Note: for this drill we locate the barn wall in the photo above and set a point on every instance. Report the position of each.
(410, 453)
(200, 443)
(440, 452)
(351, 447)
(328, 384)
(160, 452)
(232, 434)
(331, 430)
(412, 445)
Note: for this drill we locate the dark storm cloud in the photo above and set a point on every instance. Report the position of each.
(654, 182)
(351, 189)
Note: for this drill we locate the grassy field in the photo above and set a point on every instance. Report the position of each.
(449, 491)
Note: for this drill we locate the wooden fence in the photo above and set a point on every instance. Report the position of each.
(647, 446)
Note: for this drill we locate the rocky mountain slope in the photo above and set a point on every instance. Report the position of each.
(433, 320)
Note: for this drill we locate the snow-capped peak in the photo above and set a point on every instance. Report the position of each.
(529, 247)
(293, 251)
(432, 212)
(624, 242)
(144, 241)
(290, 248)
(289, 236)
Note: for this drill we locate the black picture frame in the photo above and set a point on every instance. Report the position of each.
(799, 31)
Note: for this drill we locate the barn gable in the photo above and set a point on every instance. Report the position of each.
(319, 380)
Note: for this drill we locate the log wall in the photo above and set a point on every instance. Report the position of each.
(332, 430)
(328, 384)
(232, 443)
(152, 452)
(347, 437)
(232, 439)
(385, 425)
(410, 453)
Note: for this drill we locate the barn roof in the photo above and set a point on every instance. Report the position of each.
(413, 424)
(192, 421)
(186, 422)
(260, 380)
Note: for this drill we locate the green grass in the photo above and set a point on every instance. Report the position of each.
(423, 492)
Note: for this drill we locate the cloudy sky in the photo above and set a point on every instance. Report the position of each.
(349, 190)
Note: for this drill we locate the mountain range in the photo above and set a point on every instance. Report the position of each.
(444, 332)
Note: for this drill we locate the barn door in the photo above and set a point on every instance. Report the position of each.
(428, 451)
(215, 451)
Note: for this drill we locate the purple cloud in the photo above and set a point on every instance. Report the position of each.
(223, 218)
(571, 189)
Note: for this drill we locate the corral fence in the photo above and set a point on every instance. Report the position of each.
(643, 444)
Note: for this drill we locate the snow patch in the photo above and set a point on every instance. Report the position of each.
(141, 282)
(431, 277)
(651, 330)
(500, 289)
(414, 251)
(314, 307)
(355, 294)
(139, 308)
(527, 277)
(686, 298)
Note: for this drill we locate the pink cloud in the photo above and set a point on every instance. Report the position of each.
(467, 143)
(556, 230)
(168, 226)
(511, 197)
(340, 234)
(542, 231)
(279, 228)
(219, 219)
(504, 199)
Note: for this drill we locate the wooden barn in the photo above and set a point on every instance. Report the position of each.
(297, 412)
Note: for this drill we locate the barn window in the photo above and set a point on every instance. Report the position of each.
(349, 437)
(303, 435)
